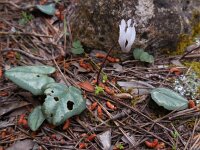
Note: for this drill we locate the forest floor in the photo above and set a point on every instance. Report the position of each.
(120, 112)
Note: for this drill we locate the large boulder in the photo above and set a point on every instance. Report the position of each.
(159, 23)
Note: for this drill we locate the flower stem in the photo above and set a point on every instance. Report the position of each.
(103, 64)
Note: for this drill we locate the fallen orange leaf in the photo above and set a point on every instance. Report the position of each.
(4, 93)
(82, 145)
(86, 86)
(93, 106)
(84, 65)
(191, 104)
(175, 70)
(152, 144)
(66, 125)
(11, 54)
(99, 112)
(91, 137)
(1, 72)
(111, 106)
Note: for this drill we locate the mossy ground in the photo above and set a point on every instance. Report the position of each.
(187, 39)
(194, 65)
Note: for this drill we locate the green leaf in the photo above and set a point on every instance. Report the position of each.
(146, 57)
(47, 9)
(36, 118)
(137, 53)
(98, 90)
(31, 78)
(105, 78)
(77, 48)
(62, 102)
(169, 99)
(149, 59)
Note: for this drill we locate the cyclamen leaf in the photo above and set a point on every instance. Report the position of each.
(77, 48)
(36, 118)
(31, 78)
(144, 56)
(169, 99)
(150, 59)
(137, 53)
(47, 9)
(62, 102)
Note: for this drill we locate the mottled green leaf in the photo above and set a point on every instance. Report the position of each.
(62, 102)
(137, 53)
(31, 78)
(36, 118)
(77, 48)
(169, 99)
(47, 9)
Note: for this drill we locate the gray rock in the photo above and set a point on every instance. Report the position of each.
(159, 23)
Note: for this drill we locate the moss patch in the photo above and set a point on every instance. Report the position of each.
(187, 39)
(195, 66)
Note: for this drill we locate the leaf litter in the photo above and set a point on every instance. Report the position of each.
(134, 119)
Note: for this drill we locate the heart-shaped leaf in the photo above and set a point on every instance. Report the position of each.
(144, 56)
(77, 48)
(137, 53)
(62, 102)
(169, 99)
(47, 9)
(36, 118)
(31, 78)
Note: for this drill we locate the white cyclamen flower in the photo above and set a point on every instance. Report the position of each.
(126, 35)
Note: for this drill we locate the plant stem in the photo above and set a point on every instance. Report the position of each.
(103, 64)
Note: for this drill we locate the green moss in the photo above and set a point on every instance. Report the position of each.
(184, 41)
(187, 39)
(195, 66)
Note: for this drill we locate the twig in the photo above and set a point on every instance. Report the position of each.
(102, 65)
(196, 48)
(23, 33)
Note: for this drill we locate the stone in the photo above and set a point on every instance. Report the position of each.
(159, 23)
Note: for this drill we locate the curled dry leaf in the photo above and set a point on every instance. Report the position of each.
(175, 70)
(82, 145)
(21, 118)
(111, 106)
(1, 72)
(11, 54)
(93, 106)
(4, 93)
(110, 59)
(107, 89)
(53, 136)
(191, 104)
(25, 123)
(99, 112)
(86, 66)
(86, 86)
(67, 124)
(91, 137)
(84, 135)
(151, 144)
(124, 95)
(3, 134)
